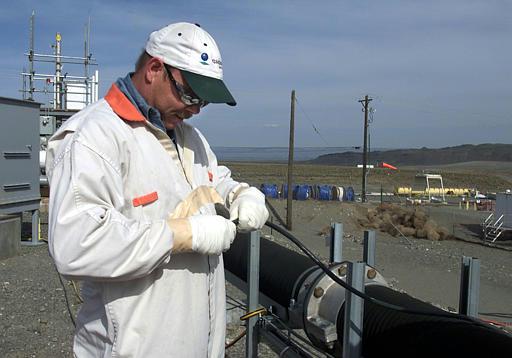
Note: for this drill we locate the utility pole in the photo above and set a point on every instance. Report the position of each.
(31, 59)
(365, 102)
(59, 85)
(290, 164)
(86, 61)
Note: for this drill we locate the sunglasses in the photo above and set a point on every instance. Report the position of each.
(185, 97)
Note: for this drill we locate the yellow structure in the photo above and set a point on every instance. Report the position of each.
(407, 190)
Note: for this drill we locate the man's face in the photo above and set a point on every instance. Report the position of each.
(168, 100)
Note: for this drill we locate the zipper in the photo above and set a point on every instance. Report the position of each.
(209, 305)
(171, 148)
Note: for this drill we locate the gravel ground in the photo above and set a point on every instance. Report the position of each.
(35, 321)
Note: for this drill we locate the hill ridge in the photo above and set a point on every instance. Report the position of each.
(424, 156)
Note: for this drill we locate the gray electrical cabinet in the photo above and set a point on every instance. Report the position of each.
(504, 207)
(19, 159)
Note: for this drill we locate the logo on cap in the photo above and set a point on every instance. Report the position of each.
(204, 58)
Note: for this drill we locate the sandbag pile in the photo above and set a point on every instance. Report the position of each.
(394, 220)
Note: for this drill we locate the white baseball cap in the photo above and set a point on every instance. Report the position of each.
(192, 50)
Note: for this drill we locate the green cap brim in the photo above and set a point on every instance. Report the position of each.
(208, 88)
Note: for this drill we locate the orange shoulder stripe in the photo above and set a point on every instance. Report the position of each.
(122, 105)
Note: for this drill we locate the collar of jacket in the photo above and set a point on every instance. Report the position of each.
(122, 106)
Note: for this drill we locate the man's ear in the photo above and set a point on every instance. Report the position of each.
(154, 68)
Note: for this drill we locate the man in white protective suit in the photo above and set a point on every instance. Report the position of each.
(132, 194)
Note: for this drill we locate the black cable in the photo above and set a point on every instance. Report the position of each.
(65, 296)
(363, 295)
(223, 211)
(291, 334)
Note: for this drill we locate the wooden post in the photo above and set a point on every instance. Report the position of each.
(290, 164)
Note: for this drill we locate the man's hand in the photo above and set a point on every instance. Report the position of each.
(204, 234)
(250, 210)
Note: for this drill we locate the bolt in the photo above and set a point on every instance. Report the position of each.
(371, 273)
(342, 270)
(292, 303)
(318, 292)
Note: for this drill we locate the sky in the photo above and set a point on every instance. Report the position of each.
(439, 72)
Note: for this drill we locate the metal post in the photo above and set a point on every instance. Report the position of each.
(35, 230)
(31, 58)
(353, 324)
(86, 61)
(469, 286)
(59, 86)
(253, 279)
(336, 243)
(369, 247)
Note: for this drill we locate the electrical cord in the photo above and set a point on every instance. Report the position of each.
(68, 306)
(236, 339)
(362, 295)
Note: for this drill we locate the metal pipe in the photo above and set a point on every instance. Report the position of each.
(86, 61)
(58, 73)
(61, 57)
(67, 62)
(31, 56)
(42, 75)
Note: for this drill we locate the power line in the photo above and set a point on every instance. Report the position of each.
(310, 121)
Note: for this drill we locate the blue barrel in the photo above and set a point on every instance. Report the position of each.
(302, 192)
(343, 194)
(324, 192)
(350, 194)
(312, 193)
(284, 191)
(334, 192)
(270, 190)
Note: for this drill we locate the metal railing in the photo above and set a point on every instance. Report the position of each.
(492, 230)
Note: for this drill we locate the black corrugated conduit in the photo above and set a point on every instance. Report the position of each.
(395, 324)
(392, 333)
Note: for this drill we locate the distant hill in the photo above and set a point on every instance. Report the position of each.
(423, 156)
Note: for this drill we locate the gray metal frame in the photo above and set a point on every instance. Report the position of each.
(253, 280)
(469, 286)
(356, 274)
(336, 243)
(354, 308)
(369, 247)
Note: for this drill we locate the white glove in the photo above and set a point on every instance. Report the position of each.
(250, 210)
(211, 234)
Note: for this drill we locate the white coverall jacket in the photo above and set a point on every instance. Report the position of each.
(114, 179)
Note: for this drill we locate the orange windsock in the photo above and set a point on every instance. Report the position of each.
(389, 166)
